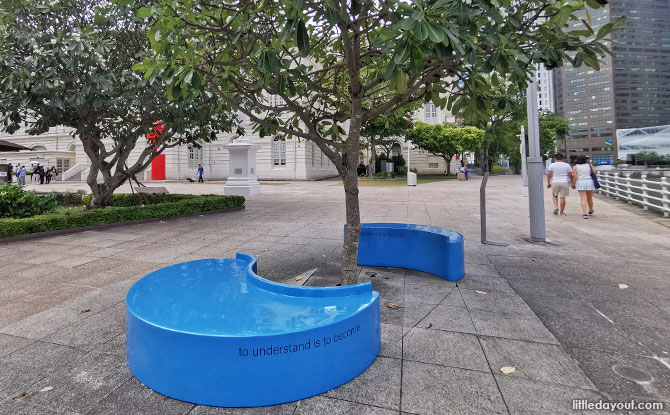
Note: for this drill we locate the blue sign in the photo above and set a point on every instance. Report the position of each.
(608, 142)
(603, 162)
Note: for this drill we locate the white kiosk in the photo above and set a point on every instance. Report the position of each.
(242, 179)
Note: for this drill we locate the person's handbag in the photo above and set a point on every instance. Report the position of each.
(594, 178)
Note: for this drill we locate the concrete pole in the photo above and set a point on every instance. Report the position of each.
(535, 168)
(524, 170)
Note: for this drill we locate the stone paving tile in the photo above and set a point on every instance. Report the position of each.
(535, 361)
(391, 341)
(284, 409)
(529, 397)
(101, 298)
(454, 299)
(448, 318)
(80, 385)
(42, 324)
(592, 335)
(625, 375)
(14, 311)
(133, 398)
(495, 301)
(378, 385)
(425, 294)
(19, 407)
(9, 344)
(655, 340)
(94, 330)
(444, 348)
(634, 315)
(510, 326)
(530, 289)
(485, 283)
(563, 308)
(19, 370)
(430, 389)
(330, 406)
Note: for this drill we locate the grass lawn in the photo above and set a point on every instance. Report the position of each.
(397, 182)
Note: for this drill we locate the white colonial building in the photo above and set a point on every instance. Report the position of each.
(278, 157)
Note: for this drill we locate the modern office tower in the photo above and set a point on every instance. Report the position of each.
(545, 88)
(632, 88)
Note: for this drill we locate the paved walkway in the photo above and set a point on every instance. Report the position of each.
(554, 312)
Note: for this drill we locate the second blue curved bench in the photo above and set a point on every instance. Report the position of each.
(423, 248)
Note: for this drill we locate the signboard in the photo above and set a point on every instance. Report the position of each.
(603, 162)
(608, 142)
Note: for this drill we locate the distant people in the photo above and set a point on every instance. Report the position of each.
(10, 171)
(361, 169)
(42, 174)
(559, 180)
(582, 181)
(48, 174)
(54, 172)
(33, 175)
(21, 175)
(200, 172)
(466, 171)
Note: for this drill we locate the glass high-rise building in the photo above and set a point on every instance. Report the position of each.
(632, 88)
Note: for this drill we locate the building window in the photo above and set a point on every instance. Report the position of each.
(432, 165)
(279, 151)
(429, 112)
(194, 157)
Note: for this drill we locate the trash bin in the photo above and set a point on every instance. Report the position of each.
(411, 178)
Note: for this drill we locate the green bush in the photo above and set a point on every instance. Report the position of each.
(401, 171)
(17, 203)
(130, 199)
(69, 199)
(398, 161)
(496, 169)
(66, 219)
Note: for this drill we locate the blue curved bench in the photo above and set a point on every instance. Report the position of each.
(213, 332)
(423, 248)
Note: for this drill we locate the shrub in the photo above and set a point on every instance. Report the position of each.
(130, 199)
(398, 161)
(66, 219)
(17, 203)
(401, 171)
(68, 199)
(496, 169)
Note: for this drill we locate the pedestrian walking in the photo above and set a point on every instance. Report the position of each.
(582, 181)
(200, 172)
(559, 180)
(48, 175)
(10, 171)
(21, 176)
(466, 171)
(42, 174)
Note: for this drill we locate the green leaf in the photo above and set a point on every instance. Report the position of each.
(144, 12)
(302, 39)
(421, 31)
(435, 33)
(401, 53)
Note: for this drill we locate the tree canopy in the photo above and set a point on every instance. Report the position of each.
(337, 64)
(69, 63)
(446, 140)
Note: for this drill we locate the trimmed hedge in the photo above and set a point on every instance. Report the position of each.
(67, 219)
(130, 199)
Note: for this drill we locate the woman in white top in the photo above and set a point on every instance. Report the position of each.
(582, 181)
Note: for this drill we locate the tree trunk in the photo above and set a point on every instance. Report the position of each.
(448, 161)
(349, 265)
(373, 160)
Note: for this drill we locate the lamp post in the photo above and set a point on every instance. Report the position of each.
(524, 171)
(535, 167)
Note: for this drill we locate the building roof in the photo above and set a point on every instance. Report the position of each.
(9, 146)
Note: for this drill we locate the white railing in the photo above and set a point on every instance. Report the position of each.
(73, 171)
(649, 193)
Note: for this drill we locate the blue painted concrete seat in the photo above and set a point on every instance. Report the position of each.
(424, 248)
(213, 332)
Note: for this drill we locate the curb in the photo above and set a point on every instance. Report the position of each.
(110, 225)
